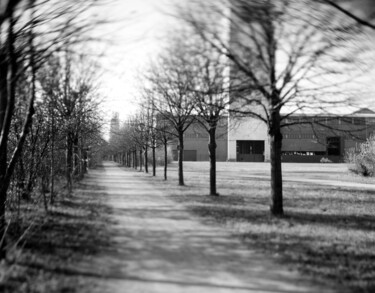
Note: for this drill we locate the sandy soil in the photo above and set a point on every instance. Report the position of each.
(158, 246)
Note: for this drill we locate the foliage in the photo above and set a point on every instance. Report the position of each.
(50, 247)
(362, 161)
(325, 160)
(48, 104)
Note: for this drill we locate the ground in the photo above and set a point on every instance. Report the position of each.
(161, 247)
(328, 230)
(148, 235)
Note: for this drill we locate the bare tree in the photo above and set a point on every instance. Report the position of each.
(149, 120)
(164, 136)
(9, 66)
(31, 31)
(209, 89)
(284, 58)
(366, 7)
(140, 136)
(76, 106)
(172, 100)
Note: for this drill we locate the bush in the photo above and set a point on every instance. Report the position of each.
(325, 160)
(362, 160)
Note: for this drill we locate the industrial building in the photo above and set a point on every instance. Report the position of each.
(306, 139)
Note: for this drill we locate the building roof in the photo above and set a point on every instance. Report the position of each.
(363, 111)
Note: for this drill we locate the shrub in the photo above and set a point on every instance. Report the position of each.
(362, 161)
(325, 160)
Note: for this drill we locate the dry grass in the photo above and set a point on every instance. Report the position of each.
(48, 257)
(327, 232)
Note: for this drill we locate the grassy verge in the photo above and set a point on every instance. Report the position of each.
(54, 245)
(328, 232)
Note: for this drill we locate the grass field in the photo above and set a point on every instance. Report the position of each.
(47, 249)
(327, 232)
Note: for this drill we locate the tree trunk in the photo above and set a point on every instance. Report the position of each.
(21, 176)
(146, 159)
(44, 188)
(52, 170)
(69, 162)
(276, 172)
(140, 160)
(7, 98)
(180, 158)
(153, 161)
(81, 158)
(76, 156)
(165, 160)
(26, 194)
(3, 195)
(212, 154)
(7, 102)
(135, 159)
(85, 159)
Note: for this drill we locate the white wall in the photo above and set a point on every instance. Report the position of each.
(246, 129)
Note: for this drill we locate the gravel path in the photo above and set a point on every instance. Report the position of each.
(158, 246)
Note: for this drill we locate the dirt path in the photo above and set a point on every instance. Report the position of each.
(159, 247)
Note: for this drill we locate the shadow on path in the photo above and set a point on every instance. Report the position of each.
(157, 246)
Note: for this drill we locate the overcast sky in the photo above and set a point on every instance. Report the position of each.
(130, 40)
(135, 35)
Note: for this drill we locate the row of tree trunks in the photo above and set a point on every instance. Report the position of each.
(132, 158)
(8, 70)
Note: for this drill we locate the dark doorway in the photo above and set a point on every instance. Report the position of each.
(250, 150)
(333, 146)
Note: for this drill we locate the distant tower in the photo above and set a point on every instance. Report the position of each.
(115, 126)
(247, 136)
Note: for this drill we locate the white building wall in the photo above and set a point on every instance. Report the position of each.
(246, 129)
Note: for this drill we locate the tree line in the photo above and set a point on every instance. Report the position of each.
(264, 60)
(49, 105)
